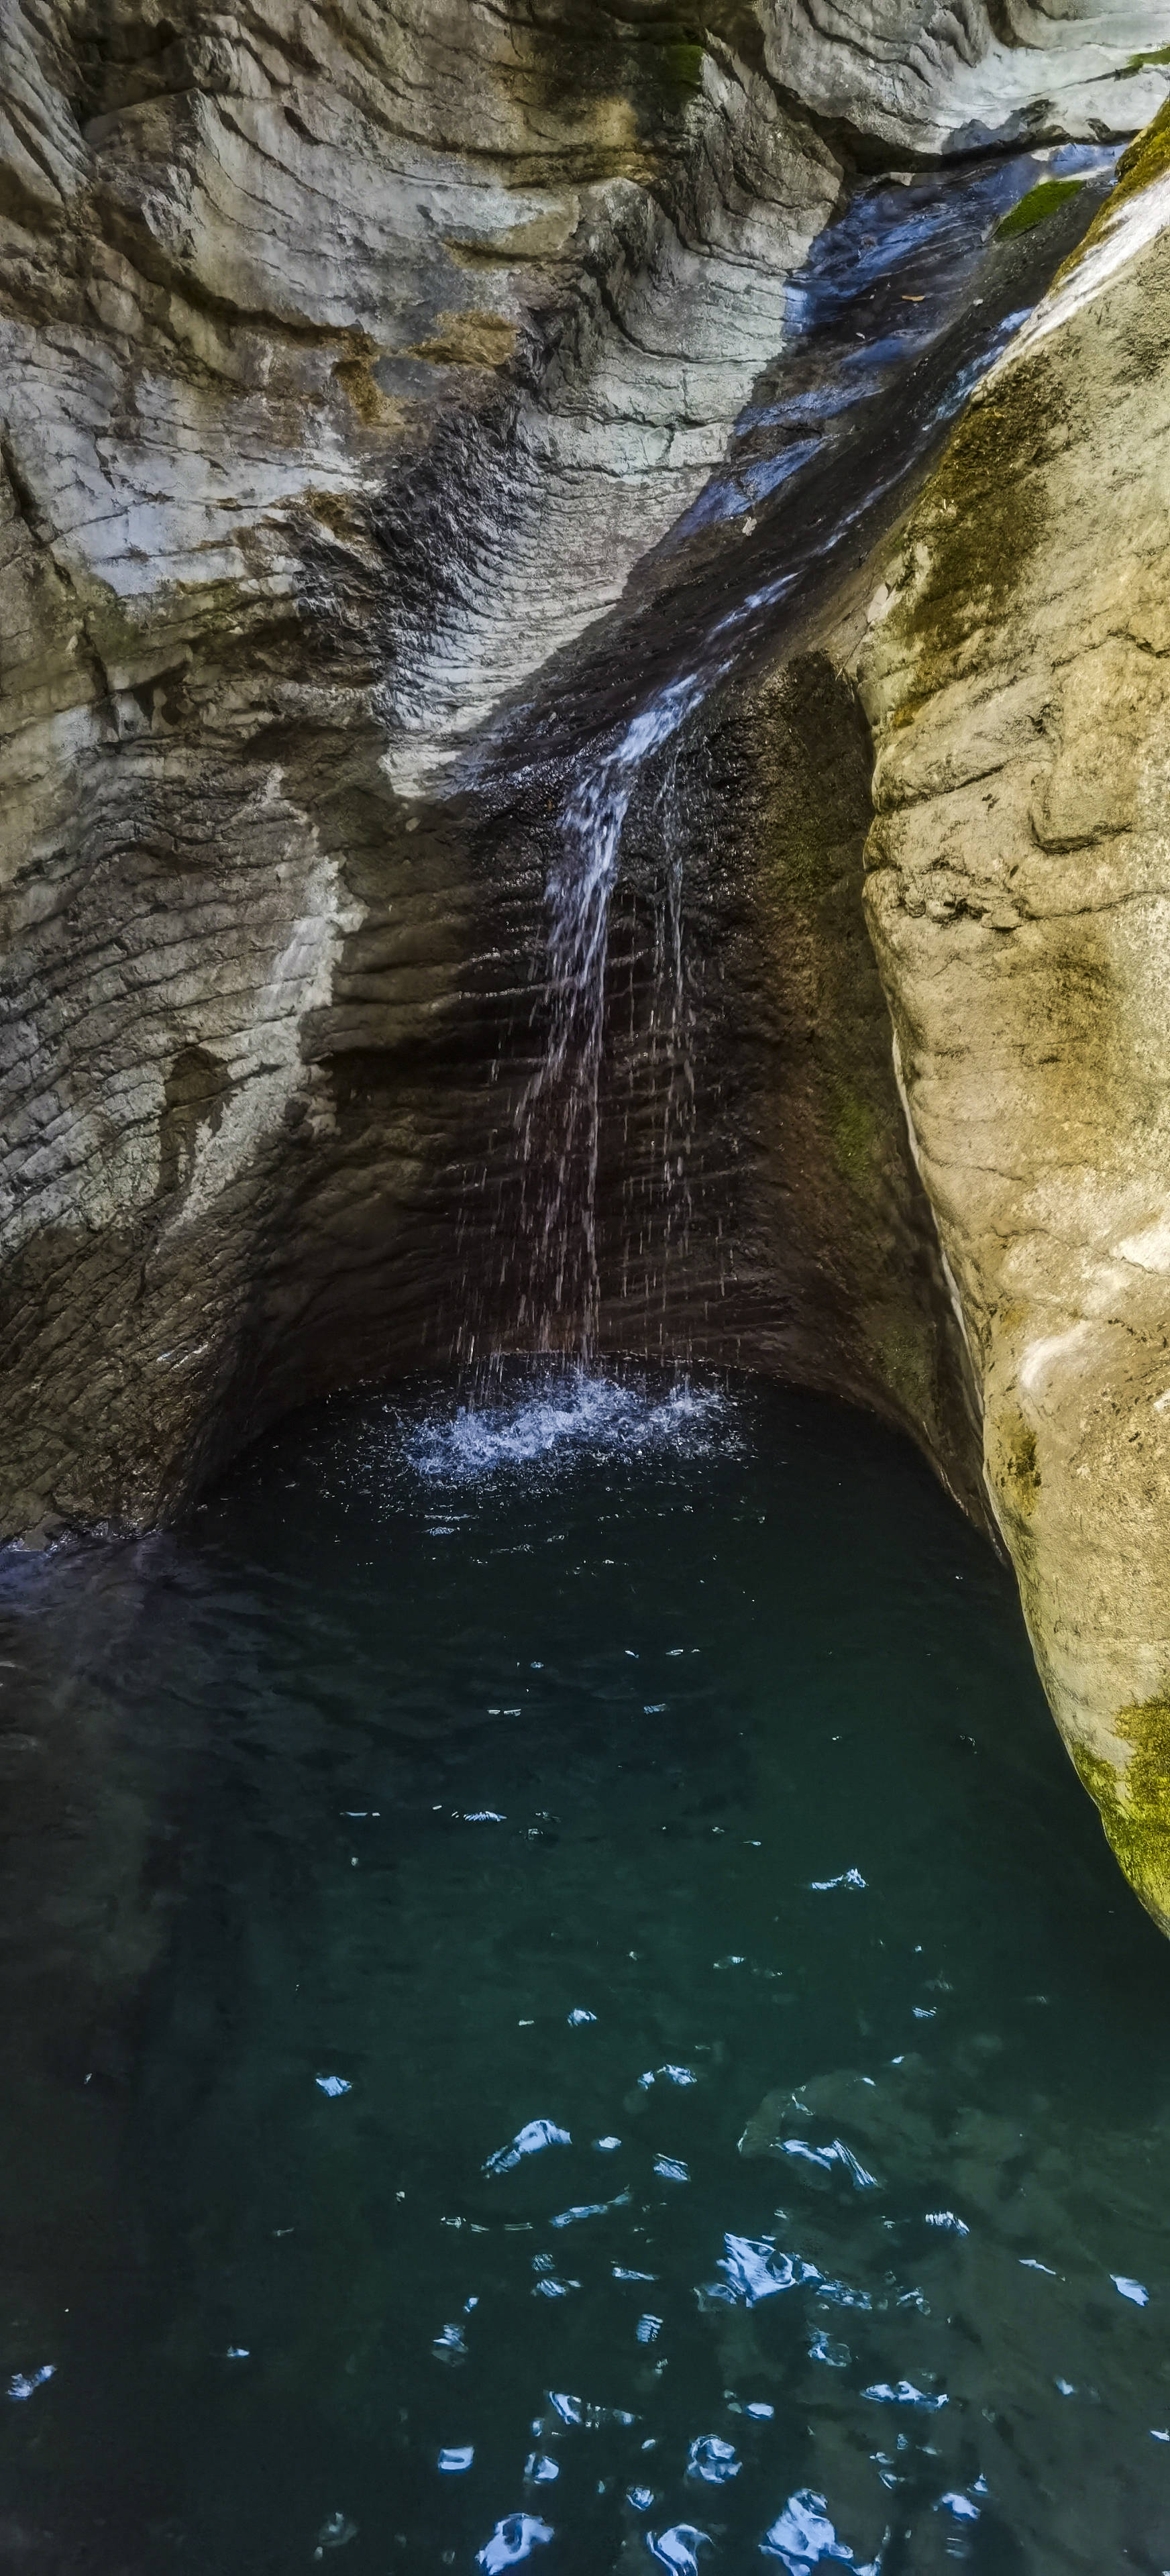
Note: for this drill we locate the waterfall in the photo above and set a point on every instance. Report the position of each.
(560, 1113)
(886, 342)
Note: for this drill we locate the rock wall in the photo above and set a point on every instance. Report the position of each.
(352, 360)
(348, 358)
(1018, 680)
(936, 76)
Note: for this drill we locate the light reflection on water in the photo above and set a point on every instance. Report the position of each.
(562, 2002)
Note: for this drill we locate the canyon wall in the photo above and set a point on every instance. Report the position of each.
(1018, 680)
(350, 358)
(356, 361)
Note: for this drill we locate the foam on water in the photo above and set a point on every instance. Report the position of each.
(567, 1416)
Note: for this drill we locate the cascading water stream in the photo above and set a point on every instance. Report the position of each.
(850, 413)
(561, 1112)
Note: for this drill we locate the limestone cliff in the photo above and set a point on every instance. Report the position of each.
(350, 357)
(1018, 679)
(359, 365)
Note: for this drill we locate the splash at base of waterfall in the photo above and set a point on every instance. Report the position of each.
(553, 1418)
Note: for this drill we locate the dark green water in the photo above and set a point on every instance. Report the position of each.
(687, 1789)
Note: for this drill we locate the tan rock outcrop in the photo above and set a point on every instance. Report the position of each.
(354, 359)
(350, 356)
(1018, 681)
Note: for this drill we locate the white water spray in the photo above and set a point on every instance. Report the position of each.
(560, 1113)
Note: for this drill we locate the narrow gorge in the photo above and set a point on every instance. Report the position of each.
(584, 863)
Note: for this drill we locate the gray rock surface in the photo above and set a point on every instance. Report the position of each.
(353, 359)
(937, 76)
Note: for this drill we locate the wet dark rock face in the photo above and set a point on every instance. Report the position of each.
(353, 361)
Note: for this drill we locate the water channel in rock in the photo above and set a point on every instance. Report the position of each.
(562, 2000)
(904, 303)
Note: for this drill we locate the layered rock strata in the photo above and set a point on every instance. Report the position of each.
(350, 356)
(353, 359)
(1018, 680)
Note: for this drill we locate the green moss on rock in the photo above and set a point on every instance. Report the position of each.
(907, 1360)
(981, 519)
(1134, 1803)
(1147, 159)
(1041, 201)
(682, 69)
(1020, 1467)
(856, 1135)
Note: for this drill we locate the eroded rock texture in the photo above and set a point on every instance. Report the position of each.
(350, 356)
(1019, 895)
(353, 358)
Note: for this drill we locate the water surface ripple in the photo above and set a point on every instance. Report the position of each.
(562, 2004)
